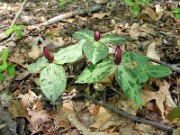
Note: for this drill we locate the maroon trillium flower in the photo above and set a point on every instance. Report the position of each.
(118, 55)
(48, 56)
(97, 35)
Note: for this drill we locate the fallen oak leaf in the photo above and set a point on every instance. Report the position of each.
(159, 96)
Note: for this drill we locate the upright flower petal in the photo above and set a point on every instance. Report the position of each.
(97, 35)
(48, 56)
(118, 55)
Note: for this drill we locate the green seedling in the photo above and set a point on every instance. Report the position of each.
(176, 11)
(135, 5)
(4, 66)
(17, 29)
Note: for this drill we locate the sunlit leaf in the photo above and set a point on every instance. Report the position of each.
(135, 8)
(113, 40)
(84, 34)
(9, 31)
(95, 73)
(95, 51)
(11, 70)
(3, 67)
(69, 54)
(176, 10)
(53, 81)
(4, 55)
(38, 65)
(129, 2)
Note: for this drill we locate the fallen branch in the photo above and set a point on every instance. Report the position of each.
(19, 12)
(70, 14)
(173, 67)
(129, 116)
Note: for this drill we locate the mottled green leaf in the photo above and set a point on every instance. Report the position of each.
(69, 54)
(53, 81)
(128, 81)
(174, 114)
(127, 57)
(96, 73)
(84, 34)
(38, 65)
(113, 40)
(158, 71)
(141, 65)
(95, 51)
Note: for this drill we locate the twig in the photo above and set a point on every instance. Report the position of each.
(19, 12)
(70, 14)
(173, 67)
(134, 118)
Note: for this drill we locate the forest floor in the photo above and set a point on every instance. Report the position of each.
(24, 110)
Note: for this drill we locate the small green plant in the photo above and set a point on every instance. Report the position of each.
(62, 3)
(174, 114)
(5, 67)
(176, 11)
(18, 29)
(135, 5)
(52, 74)
(131, 69)
(95, 47)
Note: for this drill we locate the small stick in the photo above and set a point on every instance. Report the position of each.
(129, 116)
(173, 67)
(70, 14)
(19, 12)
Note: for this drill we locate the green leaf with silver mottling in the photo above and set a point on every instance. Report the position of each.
(84, 34)
(53, 81)
(95, 51)
(38, 65)
(69, 54)
(127, 57)
(113, 40)
(128, 81)
(158, 71)
(96, 73)
(141, 66)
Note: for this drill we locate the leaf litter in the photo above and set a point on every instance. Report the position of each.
(154, 32)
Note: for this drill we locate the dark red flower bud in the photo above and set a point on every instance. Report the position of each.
(118, 55)
(48, 56)
(97, 35)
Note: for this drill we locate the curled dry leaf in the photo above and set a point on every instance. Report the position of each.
(101, 118)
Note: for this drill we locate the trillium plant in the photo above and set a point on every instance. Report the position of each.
(131, 69)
